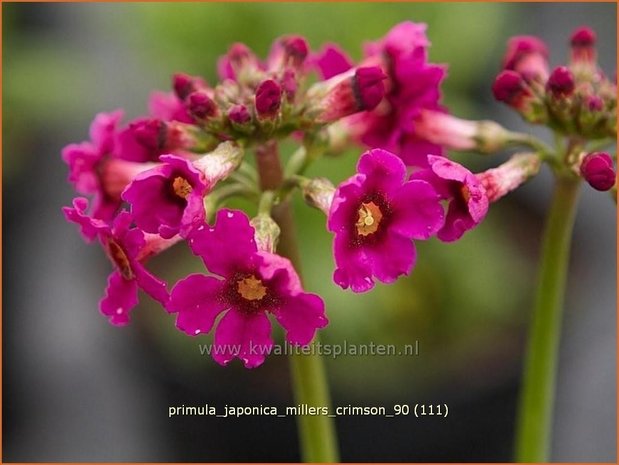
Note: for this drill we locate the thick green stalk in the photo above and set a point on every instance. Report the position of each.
(534, 421)
(309, 382)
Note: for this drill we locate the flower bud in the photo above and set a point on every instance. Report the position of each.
(318, 193)
(510, 175)
(239, 114)
(201, 106)
(583, 46)
(460, 134)
(288, 52)
(289, 84)
(597, 169)
(560, 83)
(266, 232)
(358, 90)
(268, 99)
(239, 64)
(528, 56)
(510, 87)
(184, 84)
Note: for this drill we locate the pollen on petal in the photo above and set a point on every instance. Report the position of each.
(181, 187)
(251, 288)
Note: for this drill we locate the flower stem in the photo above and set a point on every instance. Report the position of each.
(316, 433)
(534, 421)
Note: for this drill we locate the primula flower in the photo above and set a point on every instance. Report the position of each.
(413, 85)
(374, 215)
(250, 285)
(95, 169)
(127, 248)
(169, 199)
(468, 202)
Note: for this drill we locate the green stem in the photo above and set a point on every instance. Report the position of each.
(534, 421)
(309, 381)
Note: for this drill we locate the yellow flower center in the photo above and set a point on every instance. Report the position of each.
(251, 288)
(181, 187)
(369, 219)
(119, 257)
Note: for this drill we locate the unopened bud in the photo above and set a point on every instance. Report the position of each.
(288, 52)
(184, 84)
(597, 169)
(268, 99)
(583, 46)
(201, 106)
(560, 83)
(318, 193)
(266, 232)
(528, 56)
(346, 94)
(510, 87)
(239, 114)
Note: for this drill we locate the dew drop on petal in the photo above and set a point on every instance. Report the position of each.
(230, 214)
(197, 331)
(119, 310)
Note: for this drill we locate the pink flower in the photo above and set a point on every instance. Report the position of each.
(250, 285)
(468, 202)
(413, 85)
(127, 248)
(169, 199)
(95, 169)
(374, 215)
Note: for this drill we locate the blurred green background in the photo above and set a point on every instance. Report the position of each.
(466, 303)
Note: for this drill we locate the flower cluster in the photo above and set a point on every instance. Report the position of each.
(577, 99)
(165, 177)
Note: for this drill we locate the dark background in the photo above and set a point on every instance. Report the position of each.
(77, 389)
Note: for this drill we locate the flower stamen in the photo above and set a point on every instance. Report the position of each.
(181, 187)
(369, 219)
(251, 288)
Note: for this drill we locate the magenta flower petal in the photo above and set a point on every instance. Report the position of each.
(121, 296)
(103, 130)
(383, 171)
(233, 234)
(300, 316)
(167, 199)
(392, 257)
(418, 213)
(243, 336)
(354, 270)
(197, 300)
(89, 227)
(376, 212)
(457, 222)
(331, 61)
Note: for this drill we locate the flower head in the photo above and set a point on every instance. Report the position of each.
(95, 169)
(413, 85)
(169, 198)
(468, 202)
(127, 248)
(250, 285)
(374, 215)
